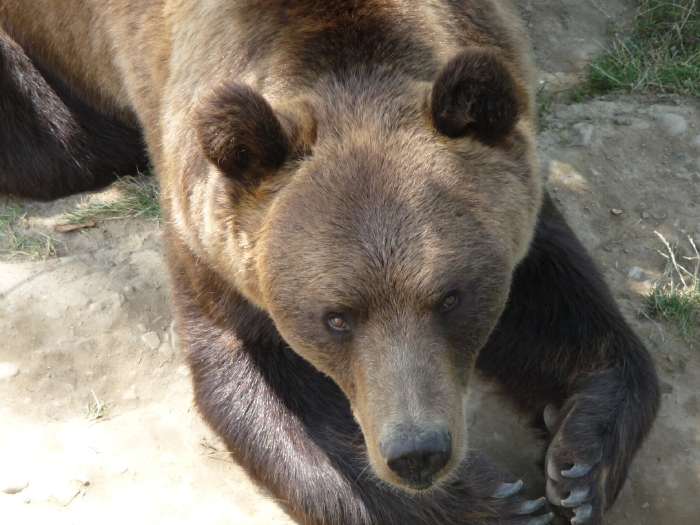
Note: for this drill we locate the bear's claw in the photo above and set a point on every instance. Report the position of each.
(542, 520)
(523, 511)
(532, 506)
(582, 515)
(579, 470)
(508, 490)
(573, 474)
(576, 498)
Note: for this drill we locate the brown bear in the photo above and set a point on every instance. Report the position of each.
(355, 220)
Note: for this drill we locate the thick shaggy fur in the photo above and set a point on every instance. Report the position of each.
(347, 155)
(54, 143)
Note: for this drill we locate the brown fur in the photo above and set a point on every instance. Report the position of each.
(364, 158)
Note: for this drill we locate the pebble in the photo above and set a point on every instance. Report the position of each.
(13, 486)
(622, 121)
(637, 274)
(8, 370)
(583, 134)
(646, 215)
(673, 124)
(617, 212)
(696, 142)
(151, 339)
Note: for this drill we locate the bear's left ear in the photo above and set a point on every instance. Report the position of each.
(243, 136)
(475, 94)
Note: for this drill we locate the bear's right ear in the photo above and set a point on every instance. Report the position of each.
(476, 94)
(242, 135)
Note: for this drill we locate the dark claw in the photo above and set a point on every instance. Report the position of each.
(542, 520)
(507, 490)
(530, 507)
(576, 498)
(577, 471)
(583, 514)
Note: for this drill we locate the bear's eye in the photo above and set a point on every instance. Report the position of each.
(337, 323)
(449, 302)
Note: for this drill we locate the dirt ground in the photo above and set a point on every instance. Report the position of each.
(88, 333)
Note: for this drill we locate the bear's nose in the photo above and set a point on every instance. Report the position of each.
(416, 456)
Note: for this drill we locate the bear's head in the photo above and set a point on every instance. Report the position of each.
(386, 250)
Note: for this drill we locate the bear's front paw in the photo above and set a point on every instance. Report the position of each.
(514, 510)
(574, 467)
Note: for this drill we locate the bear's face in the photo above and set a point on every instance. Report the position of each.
(386, 260)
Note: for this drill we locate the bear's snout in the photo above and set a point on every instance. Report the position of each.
(415, 454)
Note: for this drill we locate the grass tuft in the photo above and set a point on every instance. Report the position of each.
(662, 54)
(136, 197)
(96, 408)
(676, 297)
(14, 243)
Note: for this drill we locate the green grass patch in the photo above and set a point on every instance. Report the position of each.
(676, 297)
(135, 197)
(662, 55)
(15, 243)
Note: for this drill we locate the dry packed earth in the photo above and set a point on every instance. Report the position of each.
(96, 415)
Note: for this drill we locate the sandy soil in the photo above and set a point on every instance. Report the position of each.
(94, 324)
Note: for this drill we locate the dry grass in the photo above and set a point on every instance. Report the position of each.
(15, 243)
(135, 197)
(96, 408)
(676, 297)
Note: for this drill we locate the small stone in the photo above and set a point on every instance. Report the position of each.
(13, 486)
(673, 124)
(583, 134)
(646, 215)
(8, 370)
(151, 339)
(646, 505)
(637, 274)
(617, 212)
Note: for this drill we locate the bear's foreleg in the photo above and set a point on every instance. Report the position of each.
(563, 341)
